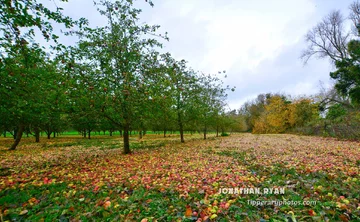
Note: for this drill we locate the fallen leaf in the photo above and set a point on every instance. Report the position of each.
(188, 212)
(23, 212)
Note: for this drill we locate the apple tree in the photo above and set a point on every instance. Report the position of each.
(121, 55)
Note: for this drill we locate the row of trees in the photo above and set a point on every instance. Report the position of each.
(114, 78)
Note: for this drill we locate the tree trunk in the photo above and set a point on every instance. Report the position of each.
(126, 139)
(164, 133)
(205, 129)
(48, 135)
(17, 137)
(110, 132)
(140, 134)
(15, 132)
(5, 133)
(89, 134)
(37, 134)
(217, 131)
(121, 133)
(54, 134)
(181, 128)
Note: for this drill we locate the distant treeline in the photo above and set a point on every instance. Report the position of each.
(325, 114)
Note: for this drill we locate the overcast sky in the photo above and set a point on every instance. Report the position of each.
(257, 42)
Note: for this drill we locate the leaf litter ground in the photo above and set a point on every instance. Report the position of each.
(72, 179)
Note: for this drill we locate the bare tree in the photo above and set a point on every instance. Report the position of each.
(355, 16)
(328, 39)
(329, 96)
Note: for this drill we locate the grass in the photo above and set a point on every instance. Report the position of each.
(70, 178)
(107, 133)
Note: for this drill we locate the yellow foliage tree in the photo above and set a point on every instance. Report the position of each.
(302, 111)
(277, 115)
(260, 125)
(280, 115)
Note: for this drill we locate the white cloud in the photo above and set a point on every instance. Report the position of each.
(239, 32)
